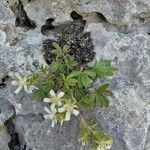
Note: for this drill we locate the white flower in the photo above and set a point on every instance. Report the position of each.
(31, 89)
(100, 148)
(83, 142)
(51, 115)
(106, 145)
(69, 108)
(21, 82)
(55, 99)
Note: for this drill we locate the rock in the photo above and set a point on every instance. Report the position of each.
(4, 138)
(37, 133)
(3, 70)
(2, 37)
(128, 116)
(6, 112)
(120, 12)
(147, 144)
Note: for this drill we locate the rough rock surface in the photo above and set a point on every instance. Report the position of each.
(120, 31)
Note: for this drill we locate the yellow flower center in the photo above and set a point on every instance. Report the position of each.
(69, 107)
(23, 82)
(55, 100)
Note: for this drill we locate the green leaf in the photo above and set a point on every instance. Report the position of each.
(103, 88)
(83, 135)
(80, 85)
(38, 95)
(101, 100)
(79, 93)
(70, 81)
(75, 73)
(33, 78)
(104, 68)
(54, 66)
(86, 81)
(90, 73)
(71, 63)
(43, 68)
(56, 46)
(86, 102)
(58, 51)
(66, 48)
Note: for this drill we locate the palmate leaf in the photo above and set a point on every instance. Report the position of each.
(104, 68)
(79, 93)
(69, 81)
(42, 91)
(83, 80)
(101, 96)
(71, 63)
(54, 66)
(56, 46)
(58, 50)
(86, 81)
(97, 98)
(84, 134)
(90, 73)
(75, 73)
(101, 100)
(86, 102)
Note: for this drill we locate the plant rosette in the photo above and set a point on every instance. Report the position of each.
(64, 86)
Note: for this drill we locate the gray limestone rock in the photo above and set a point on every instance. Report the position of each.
(6, 112)
(4, 139)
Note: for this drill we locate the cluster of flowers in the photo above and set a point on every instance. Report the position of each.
(60, 110)
(57, 106)
(56, 101)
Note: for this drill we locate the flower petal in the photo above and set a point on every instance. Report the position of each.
(18, 89)
(67, 117)
(52, 93)
(47, 100)
(46, 116)
(83, 143)
(100, 148)
(62, 109)
(108, 147)
(53, 123)
(61, 123)
(60, 94)
(47, 110)
(24, 79)
(53, 109)
(31, 89)
(25, 88)
(75, 112)
(14, 83)
(18, 76)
